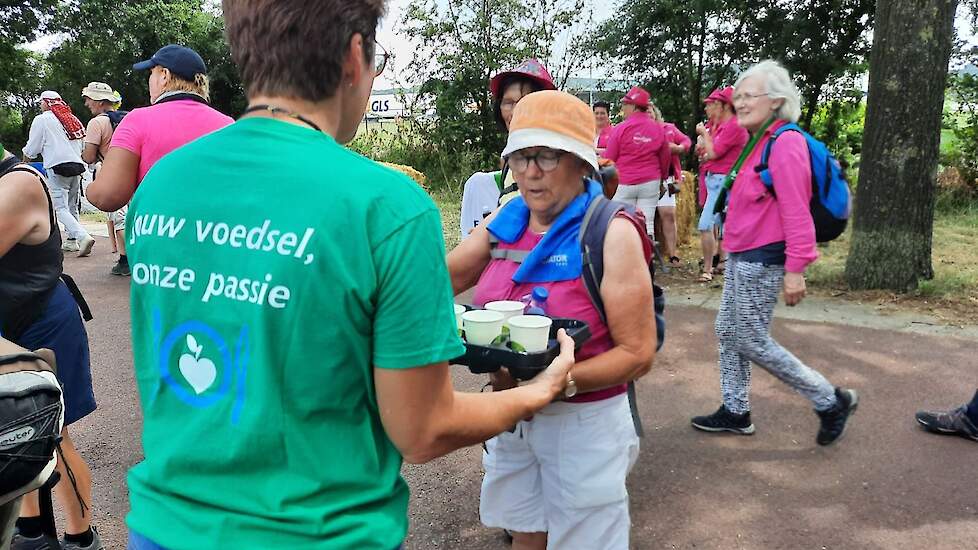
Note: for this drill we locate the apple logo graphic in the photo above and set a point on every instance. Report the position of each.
(199, 373)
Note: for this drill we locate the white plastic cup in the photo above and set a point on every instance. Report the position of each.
(530, 331)
(482, 326)
(459, 310)
(509, 308)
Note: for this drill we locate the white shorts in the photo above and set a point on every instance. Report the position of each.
(643, 196)
(563, 473)
(666, 199)
(119, 218)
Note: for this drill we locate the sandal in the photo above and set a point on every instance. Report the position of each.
(674, 261)
(705, 277)
(719, 264)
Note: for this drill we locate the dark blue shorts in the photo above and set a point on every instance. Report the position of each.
(61, 330)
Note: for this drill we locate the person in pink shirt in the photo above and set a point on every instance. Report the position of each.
(770, 239)
(719, 148)
(179, 114)
(676, 144)
(634, 147)
(602, 119)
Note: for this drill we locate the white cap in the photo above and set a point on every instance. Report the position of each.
(48, 94)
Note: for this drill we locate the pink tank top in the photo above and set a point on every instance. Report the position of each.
(567, 299)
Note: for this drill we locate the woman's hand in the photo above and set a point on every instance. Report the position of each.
(700, 128)
(794, 288)
(553, 379)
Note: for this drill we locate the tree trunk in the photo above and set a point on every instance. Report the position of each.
(893, 223)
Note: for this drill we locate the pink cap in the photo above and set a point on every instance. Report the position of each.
(723, 95)
(637, 97)
(532, 69)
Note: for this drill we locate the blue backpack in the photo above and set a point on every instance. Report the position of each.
(831, 201)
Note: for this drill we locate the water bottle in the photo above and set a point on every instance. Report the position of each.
(538, 301)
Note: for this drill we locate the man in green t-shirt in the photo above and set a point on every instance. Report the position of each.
(292, 322)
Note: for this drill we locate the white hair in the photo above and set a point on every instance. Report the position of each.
(778, 84)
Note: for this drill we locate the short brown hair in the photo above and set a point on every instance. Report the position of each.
(295, 48)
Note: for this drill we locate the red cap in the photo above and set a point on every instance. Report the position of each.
(532, 69)
(723, 95)
(637, 97)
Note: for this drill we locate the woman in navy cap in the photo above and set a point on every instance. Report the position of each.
(179, 114)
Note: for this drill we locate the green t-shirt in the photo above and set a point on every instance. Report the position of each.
(272, 269)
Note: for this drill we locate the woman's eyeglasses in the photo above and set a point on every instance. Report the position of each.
(380, 58)
(547, 160)
(746, 98)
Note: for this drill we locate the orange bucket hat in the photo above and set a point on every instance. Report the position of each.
(554, 119)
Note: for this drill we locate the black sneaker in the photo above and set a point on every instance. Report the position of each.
(724, 421)
(43, 542)
(121, 268)
(954, 422)
(835, 420)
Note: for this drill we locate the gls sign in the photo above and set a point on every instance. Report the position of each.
(380, 106)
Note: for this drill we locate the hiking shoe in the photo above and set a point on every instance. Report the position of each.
(122, 269)
(85, 246)
(95, 545)
(70, 245)
(954, 422)
(43, 542)
(835, 420)
(724, 421)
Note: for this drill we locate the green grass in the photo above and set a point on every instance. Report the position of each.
(954, 259)
(449, 202)
(94, 217)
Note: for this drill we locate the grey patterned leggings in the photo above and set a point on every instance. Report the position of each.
(743, 327)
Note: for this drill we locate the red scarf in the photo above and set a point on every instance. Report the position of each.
(73, 127)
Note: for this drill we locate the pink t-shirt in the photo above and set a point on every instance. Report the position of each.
(635, 145)
(756, 218)
(603, 136)
(567, 299)
(152, 132)
(729, 139)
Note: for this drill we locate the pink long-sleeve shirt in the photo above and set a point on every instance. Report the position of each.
(729, 139)
(634, 146)
(756, 218)
(673, 135)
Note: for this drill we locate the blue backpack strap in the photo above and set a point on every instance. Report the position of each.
(762, 169)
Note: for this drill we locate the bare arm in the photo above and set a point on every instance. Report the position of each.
(90, 153)
(626, 290)
(426, 418)
(116, 181)
(467, 260)
(23, 211)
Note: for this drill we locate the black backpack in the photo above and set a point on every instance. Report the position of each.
(115, 117)
(31, 419)
(594, 228)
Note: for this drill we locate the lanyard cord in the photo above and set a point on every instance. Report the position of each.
(721, 203)
(280, 111)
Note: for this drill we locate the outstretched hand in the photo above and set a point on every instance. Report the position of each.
(554, 378)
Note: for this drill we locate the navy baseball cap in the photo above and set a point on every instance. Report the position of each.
(181, 60)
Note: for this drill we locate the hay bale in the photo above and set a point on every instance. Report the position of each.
(418, 177)
(686, 202)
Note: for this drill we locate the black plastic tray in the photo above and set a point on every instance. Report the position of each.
(521, 365)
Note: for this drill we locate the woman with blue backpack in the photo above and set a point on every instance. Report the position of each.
(770, 235)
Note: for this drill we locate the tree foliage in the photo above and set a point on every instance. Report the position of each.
(463, 43)
(681, 50)
(99, 40)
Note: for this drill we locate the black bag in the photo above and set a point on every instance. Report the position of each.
(31, 419)
(69, 169)
(594, 228)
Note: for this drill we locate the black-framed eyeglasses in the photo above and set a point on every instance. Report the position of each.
(546, 159)
(380, 58)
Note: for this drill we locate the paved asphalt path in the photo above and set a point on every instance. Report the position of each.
(887, 485)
